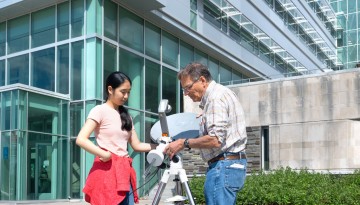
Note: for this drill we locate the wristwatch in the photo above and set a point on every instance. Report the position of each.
(186, 144)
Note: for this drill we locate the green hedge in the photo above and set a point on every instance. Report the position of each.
(287, 186)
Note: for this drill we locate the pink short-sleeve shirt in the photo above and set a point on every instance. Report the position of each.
(108, 132)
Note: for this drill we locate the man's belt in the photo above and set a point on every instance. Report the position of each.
(230, 156)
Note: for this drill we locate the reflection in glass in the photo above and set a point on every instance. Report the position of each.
(138, 158)
(77, 18)
(186, 54)
(62, 84)
(132, 65)
(225, 74)
(75, 170)
(43, 27)
(2, 38)
(5, 166)
(152, 86)
(76, 118)
(77, 59)
(63, 21)
(201, 57)
(110, 61)
(110, 20)
(18, 69)
(169, 88)
(150, 120)
(2, 72)
(152, 41)
(170, 46)
(131, 30)
(214, 69)
(18, 34)
(43, 69)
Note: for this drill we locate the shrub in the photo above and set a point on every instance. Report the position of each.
(287, 186)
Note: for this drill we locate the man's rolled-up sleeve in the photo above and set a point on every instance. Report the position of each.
(217, 120)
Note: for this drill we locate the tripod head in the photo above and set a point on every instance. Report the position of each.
(171, 128)
(156, 157)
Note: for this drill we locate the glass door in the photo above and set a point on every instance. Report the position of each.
(40, 166)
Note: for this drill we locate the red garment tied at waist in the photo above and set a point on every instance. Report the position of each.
(108, 182)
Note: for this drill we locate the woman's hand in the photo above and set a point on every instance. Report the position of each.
(106, 157)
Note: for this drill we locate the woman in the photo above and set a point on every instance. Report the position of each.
(112, 176)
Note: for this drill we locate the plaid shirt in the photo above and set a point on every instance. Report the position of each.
(223, 117)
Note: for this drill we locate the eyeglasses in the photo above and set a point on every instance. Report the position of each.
(188, 87)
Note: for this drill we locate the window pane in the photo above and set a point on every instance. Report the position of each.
(93, 17)
(18, 69)
(110, 58)
(76, 118)
(93, 72)
(237, 76)
(43, 27)
(201, 57)
(63, 21)
(77, 63)
(64, 117)
(62, 167)
(169, 88)
(75, 176)
(351, 24)
(110, 20)
(63, 69)
(2, 73)
(225, 74)
(234, 29)
(214, 69)
(140, 159)
(131, 30)
(22, 110)
(170, 45)
(212, 13)
(5, 165)
(152, 86)
(352, 6)
(43, 69)
(352, 56)
(193, 20)
(6, 114)
(42, 111)
(152, 41)
(18, 34)
(186, 54)
(132, 65)
(77, 18)
(2, 38)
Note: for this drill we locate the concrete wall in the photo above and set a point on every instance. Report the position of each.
(314, 121)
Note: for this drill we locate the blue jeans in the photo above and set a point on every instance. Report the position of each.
(223, 180)
(129, 199)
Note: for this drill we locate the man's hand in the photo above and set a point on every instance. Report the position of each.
(174, 147)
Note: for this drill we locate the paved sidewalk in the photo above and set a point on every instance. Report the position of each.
(71, 202)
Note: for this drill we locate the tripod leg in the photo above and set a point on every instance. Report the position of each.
(162, 184)
(184, 180)
(159, 192)
(178, 189)
(188, 193)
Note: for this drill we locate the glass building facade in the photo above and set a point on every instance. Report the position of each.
(348, 15)
(53, 63)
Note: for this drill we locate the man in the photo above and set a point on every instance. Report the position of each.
(222, 137)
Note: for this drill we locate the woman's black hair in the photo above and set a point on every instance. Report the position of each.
(114, 80)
